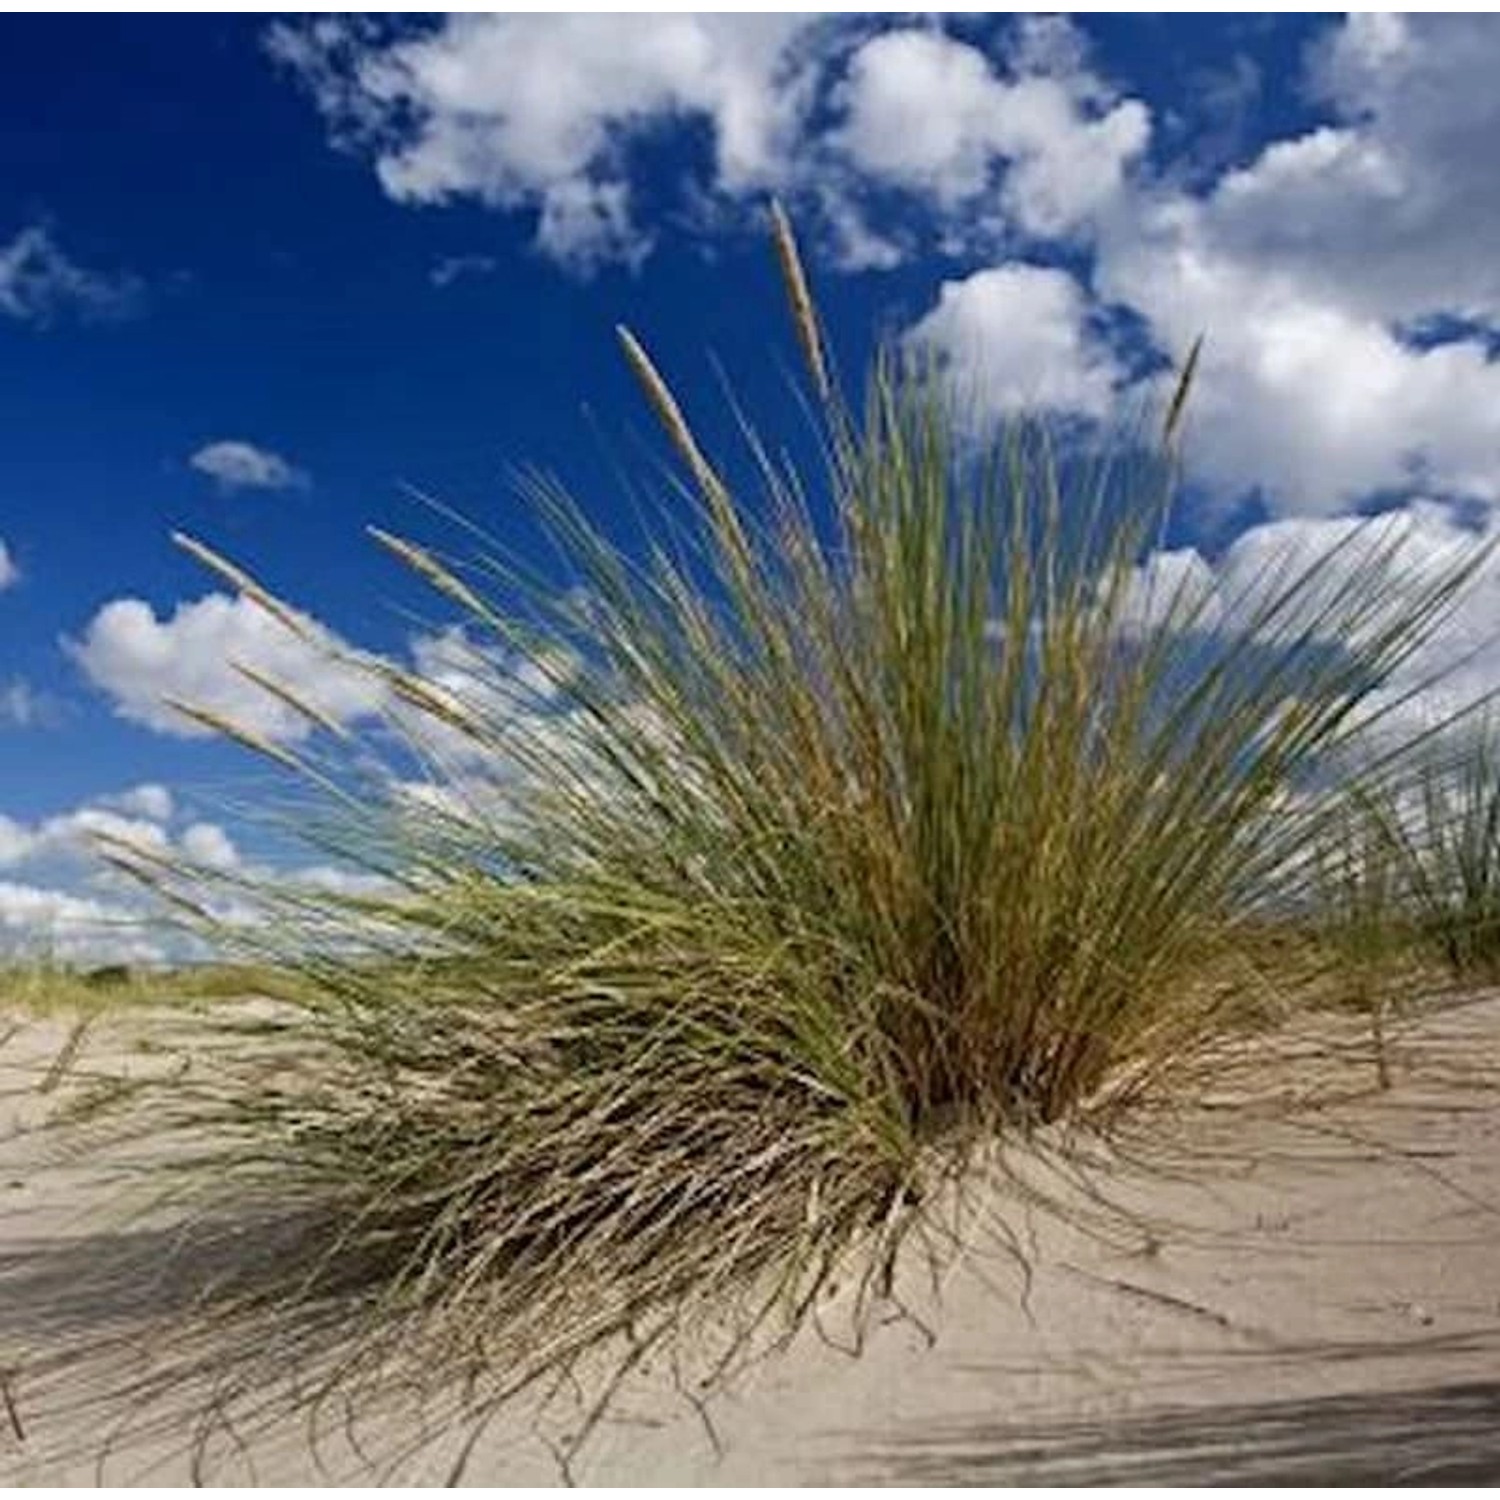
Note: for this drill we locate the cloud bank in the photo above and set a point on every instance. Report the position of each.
(1343, 276)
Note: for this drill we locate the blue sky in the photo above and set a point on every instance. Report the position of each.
(257, 276)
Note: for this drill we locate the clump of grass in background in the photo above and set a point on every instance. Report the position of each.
(755, 884)
(45, 987)
(39, 986)
(1435, 833)
(1364, 918)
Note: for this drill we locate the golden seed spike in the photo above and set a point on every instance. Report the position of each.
(436, 702)
(237, 732)
(804, 313)
(422, 562)
(283, 694)
(669, 414)
(721, 508)
(243, 582)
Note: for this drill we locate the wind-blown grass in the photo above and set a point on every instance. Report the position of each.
(756, 882)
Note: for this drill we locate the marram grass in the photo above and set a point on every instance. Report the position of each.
(1422, 854)
(753, 885)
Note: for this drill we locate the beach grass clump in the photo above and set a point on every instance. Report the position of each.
(745, 887)
(1435, 835)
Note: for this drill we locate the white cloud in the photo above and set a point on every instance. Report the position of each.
(1320, 271)
(339, 880)
(75, 836)
(1307, 267)
(1391, 213)
(1305, 396)
(145, 663)
(506, 696)
(16, 842)
(208, 844)
(236, 465)
(916, 104)
(89, 828)
(1017, 337)
(60, 898)
(38, 283)
(853, 245)
(90, 824)
(1174, 588)
(548, 113)
(1457, 667)
(928, 113)
(38, 922)
(540, 110)
(191, 655)
(481, 676)
(1310, 268)
(9, 572)
(23, 706)
(586, 224)
(148, 800)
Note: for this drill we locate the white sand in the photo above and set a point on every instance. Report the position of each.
(1318, 1300)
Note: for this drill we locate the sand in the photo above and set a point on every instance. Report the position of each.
(1313, 1296)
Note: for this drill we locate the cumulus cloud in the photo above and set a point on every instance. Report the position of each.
(1302, 395)
(76, 835)
(501, 693)
(1018, 337)
(1317, 269)
(930, 114)
(1456, 670)
(60, 898)
(62, 926)
(229, 656)
(144, 662)
(208, 844)
(1343, 278)
(39, 283)
(236, 465)
(1391, 212)
(1174, 588)
(148, 800)
(1309, 266)
(9, 572)
(586, 224)
(340, 880)
(15, 842)
(551, 114)
(539, 111)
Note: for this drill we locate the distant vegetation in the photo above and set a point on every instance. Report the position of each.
(44, 988)
(754, 884)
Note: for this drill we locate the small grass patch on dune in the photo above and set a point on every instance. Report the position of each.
(52, 988)
(1433, 843)
(751, 885)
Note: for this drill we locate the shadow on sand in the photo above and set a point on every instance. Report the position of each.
(1445, 1434)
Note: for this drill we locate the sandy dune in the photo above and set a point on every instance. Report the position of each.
(1314, 1296)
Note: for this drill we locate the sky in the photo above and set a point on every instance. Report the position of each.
(267, 281)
